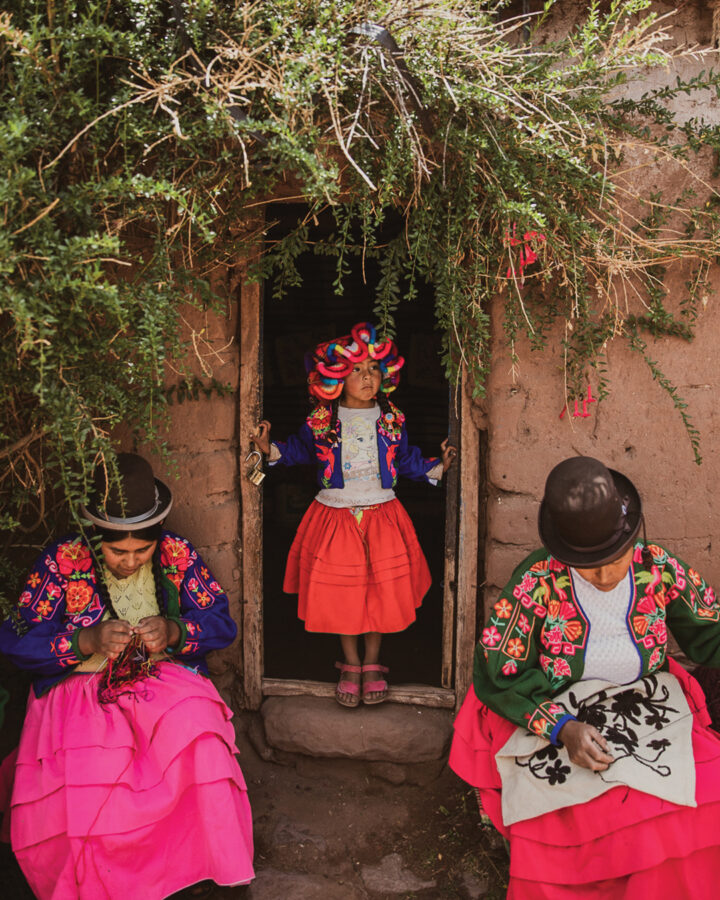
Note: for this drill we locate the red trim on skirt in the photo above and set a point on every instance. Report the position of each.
(622, 844)
(353, 578)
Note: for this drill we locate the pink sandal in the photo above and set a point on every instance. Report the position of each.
(380, 686)
(347, 687)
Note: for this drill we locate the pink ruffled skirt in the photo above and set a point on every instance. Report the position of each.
(139, 798)
(624, 844)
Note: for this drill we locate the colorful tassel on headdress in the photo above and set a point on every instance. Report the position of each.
(128, 669)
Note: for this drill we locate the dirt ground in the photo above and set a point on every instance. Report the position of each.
(351, 830)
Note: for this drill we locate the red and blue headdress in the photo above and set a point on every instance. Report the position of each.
(329, 364)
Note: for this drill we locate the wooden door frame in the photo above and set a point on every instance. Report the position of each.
(461, 561)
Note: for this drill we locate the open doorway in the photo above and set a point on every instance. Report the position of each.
(431, 662)
(306, 315)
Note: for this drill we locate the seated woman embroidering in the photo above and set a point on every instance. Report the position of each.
(590, 749)
(125, 781)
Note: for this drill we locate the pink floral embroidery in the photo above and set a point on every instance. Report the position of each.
(659, 630)
(545, 662)
(63, 645)
(709, 597)
(555, 709)
(528, 582)
(25, 598)
(175, 553)
(73, 557)
(655, 658)
(523, 623)
(491, 636)
(561, 668)
(510, 667)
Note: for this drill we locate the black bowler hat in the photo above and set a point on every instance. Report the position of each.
(145, 499)
(590, 514)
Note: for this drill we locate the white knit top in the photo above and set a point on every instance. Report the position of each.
(611, 653)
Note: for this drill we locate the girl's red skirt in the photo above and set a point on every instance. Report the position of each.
(354, 576)
(624, 844)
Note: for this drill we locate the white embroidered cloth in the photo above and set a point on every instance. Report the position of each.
(648, 726)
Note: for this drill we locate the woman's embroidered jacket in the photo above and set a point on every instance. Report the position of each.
(61, 597)
(313, 444)
(533, 645)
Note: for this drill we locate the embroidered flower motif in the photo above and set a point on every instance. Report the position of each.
(552, 636)
(390, 424)
(523, 623)
(709, 597)
(53, 590)
(63, 645)
(44, 608)
(25, 598)
(515, 647)
(34, 580)
(319, 421)
(561, 668)
(539, 725)
(73, 557)
(510, 667)
(572, 630)
(204, 572)
(528, 582)
(545, 662)
(77, 596)
(175, 553)
(503, 609)
(491, 636)
(541, 566)
(555, 709)
(203, 599)
(655, 658)
(659, 630)
(193, 584)
(640, 624)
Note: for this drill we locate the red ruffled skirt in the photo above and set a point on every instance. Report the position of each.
(138, 798)
(353, 577)
(622, 844)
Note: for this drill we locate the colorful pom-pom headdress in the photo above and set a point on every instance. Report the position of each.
(329, 364)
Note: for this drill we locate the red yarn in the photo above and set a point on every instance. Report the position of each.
(129, 668)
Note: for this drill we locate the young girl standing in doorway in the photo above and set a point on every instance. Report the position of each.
(356, 563)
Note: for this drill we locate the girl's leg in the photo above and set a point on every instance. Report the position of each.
(373, 639)
(349, 644)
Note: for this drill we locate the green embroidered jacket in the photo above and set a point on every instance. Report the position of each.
(533, 645)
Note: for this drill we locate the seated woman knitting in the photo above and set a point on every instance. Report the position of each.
(590, 749)
(125, 782)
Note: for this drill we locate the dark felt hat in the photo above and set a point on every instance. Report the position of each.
(590, 514)
(145, 499)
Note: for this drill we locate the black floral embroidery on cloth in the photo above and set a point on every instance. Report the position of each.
(618, 718)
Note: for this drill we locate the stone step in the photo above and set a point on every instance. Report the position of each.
(388, 732)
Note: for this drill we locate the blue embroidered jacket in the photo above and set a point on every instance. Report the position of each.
(61, 597)
(314, 444)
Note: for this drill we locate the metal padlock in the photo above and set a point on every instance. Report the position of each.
(254, 471)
